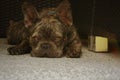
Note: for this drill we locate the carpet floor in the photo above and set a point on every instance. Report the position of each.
(91, 66)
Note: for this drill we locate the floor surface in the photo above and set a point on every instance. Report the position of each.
(91, 66)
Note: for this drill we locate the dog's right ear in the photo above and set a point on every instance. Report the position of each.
(65, 12)
(30, 14)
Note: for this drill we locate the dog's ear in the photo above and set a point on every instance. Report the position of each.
(30, 14)
(65, 13)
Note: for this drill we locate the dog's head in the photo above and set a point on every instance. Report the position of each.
(48, 38)
(47, 32)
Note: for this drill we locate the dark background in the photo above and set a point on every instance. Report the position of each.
(107, 14)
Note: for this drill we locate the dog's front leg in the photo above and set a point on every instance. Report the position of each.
(74, 49)
(74, 44)
(22, 48)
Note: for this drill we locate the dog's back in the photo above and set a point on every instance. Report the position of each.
(16, 32)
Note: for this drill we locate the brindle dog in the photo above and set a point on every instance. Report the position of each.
(48, 35)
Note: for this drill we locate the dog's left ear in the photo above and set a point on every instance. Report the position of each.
(30, 14)
(65, 13)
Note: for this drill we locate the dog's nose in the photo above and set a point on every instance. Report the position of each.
(45, 46)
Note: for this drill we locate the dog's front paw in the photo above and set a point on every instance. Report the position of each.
(73, 54)
(16, 50)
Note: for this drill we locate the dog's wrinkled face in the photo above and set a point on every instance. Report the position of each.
(51, 31)
(47, 39)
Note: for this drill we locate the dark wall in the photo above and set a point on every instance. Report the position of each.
(9, 10)
(82, 12)
(107, 15)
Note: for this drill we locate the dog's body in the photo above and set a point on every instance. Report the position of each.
(49, 34)
(16, 32)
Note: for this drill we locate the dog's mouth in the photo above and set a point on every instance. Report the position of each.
(47, 53)
(45, 49)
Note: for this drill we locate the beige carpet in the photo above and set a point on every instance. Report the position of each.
(91, 66)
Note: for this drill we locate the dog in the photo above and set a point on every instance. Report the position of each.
(50, 33)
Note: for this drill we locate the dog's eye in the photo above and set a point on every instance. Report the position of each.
(35, 38)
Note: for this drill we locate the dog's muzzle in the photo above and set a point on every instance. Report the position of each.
(45, 46)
